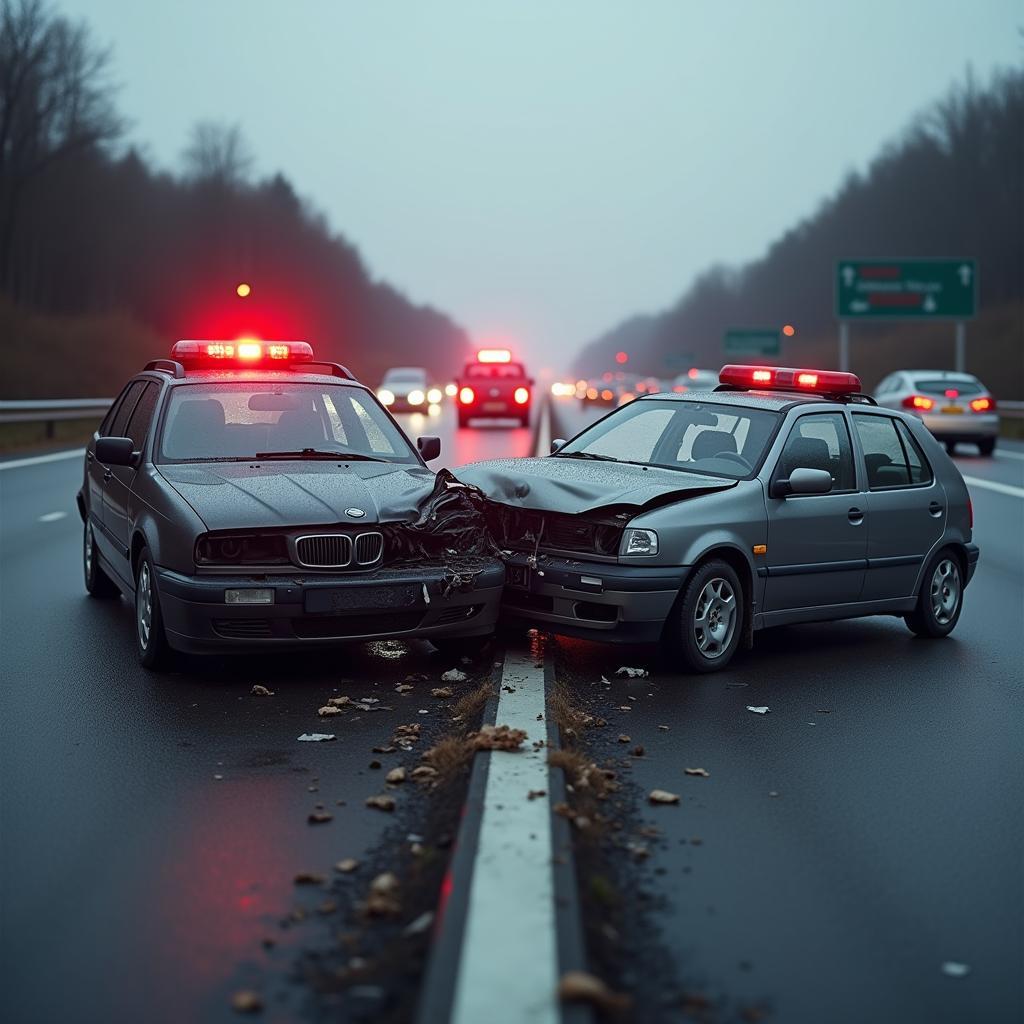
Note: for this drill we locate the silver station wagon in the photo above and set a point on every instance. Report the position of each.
(695, 519)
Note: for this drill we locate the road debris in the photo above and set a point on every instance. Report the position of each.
(347, 865)
(623, 738)
(403, 688)
(955, 969)
(496, 737)
(382, 802)
(536, 794)
(382, 900)
(419, 925)
(442, 692)
(339, 702)
(700, 772)
(246, 1001)
(637, 751)
(454, 675)
(663, 728)
(395, 776)
(632, 673)
(308, 878)
(761, 710)
(327, 710)
(319, 816)
(423, 773)
(261, 691)
(581, 987)
(663, 796)
(316, 737)
(375, 765)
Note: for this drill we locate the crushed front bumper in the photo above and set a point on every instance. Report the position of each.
(429, 600)
(596, 600)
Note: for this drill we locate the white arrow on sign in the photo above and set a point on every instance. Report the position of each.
(928, 305)
(858, 306)
(849, 275)
(965, 274)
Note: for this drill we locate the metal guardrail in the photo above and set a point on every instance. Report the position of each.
(1012, 409)
(50, 410)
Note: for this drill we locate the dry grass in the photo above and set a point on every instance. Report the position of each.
(469, 705)
(449, 757)
(585, 777)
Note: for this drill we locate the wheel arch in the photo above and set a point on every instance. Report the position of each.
(737, 560)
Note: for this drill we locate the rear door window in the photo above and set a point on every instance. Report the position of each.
(889, 461)
(920, 471)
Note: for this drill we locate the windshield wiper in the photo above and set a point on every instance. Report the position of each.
(585, 455)
(316, 453)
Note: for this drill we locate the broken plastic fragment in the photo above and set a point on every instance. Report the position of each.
(632, 673)
(454, 675)
(701, 772)
(758, 710)
(426, 594)
(262, 691)
(421, 924)
(316, 737)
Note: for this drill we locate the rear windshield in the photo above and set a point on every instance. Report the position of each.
(965, 388)
(502, 371)
(230, 422)
(407, 375)
(696, 437)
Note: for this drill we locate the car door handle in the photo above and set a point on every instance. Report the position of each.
(935, 510)
(107, 474)
(855, 516)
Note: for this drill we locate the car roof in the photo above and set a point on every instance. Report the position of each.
(770, 401)
(249, 377)
(944, 374)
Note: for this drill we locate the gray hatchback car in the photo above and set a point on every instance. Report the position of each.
(782, 496)
(246, 498)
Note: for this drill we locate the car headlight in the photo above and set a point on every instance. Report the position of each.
(386, 397)
(416, 397)
(639, 542)
(434, 395)
(241, 549)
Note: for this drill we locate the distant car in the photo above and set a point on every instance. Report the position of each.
(692, 520)
(270, 509)
(955, 407)
(494, 386)
(408, 389)
(696, 380)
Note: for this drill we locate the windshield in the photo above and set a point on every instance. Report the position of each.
(503, 371)
(405, 375)
(696, 437)
(234, 422)
(961, 388)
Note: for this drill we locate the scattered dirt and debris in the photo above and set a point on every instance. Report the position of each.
(395, 776)
(442, 692)
(758, 710)
(261, 691)
(381, 802)
(662, 796)
(327, 710)
(454, 675)
(632, 673)
(308, 878)
(581, 987)
(316, 737)
(347, 865)
(702, 773)
(319, 816)
(247, 1001)
(497, 737)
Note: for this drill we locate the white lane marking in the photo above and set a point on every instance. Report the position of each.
(507, 967)
(544, 431)
(52, 517)
(38, 460)
(1005, 453)
(992, 485)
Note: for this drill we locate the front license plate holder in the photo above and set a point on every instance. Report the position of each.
(338, 600)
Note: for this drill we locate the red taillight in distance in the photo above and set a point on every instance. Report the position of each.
(984, 404)
(918, 403)
(467, 396)
(785, 378)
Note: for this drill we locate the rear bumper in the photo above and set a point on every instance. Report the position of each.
(966, 427)
(595, 600)
(318, 610)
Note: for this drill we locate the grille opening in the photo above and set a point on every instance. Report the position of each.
(595, 612)
(327, 550)
(369, 548)
(327, 626)
(458, 614)
(242, 629)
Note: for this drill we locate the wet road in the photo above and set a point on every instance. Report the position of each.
(866, 831)
(151, 827)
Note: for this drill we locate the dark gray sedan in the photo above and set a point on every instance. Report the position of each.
(276, 505)
(695, 519)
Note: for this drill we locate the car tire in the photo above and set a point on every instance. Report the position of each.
(150, 638)
(706, 624)
(987, 445)
(940, 599)
(97, 582)
(461, 646)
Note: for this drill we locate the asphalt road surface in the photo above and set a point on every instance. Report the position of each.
(139, 885)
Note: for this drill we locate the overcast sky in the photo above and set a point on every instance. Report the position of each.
(542, 169)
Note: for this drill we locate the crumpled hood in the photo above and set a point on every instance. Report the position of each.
(241, 495)
(576, 485)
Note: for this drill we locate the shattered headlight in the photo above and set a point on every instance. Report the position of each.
(639, 542)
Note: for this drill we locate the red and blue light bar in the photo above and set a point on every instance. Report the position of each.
(786, 378)
(241, 352)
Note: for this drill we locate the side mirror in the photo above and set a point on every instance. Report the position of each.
(116, 451)
(429, 447)
(556, 444)
(805, 481)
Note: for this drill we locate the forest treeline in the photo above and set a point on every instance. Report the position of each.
(98, 247)
(952, 185)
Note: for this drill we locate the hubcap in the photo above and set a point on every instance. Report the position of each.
(144, 605)
(714, 619)
(87, 551)
(945, 591)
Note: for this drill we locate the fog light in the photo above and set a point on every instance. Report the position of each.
(249, 596)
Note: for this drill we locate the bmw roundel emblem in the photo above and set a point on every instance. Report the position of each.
(354, 513)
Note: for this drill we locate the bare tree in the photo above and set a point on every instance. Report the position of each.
(55, 100)
(217, 153)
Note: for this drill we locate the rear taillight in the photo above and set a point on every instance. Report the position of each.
(983, 404)
(521, 396)
(467, 396)
(918, 402)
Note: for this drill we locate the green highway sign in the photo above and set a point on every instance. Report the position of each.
(905, 289)
(756, 341)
